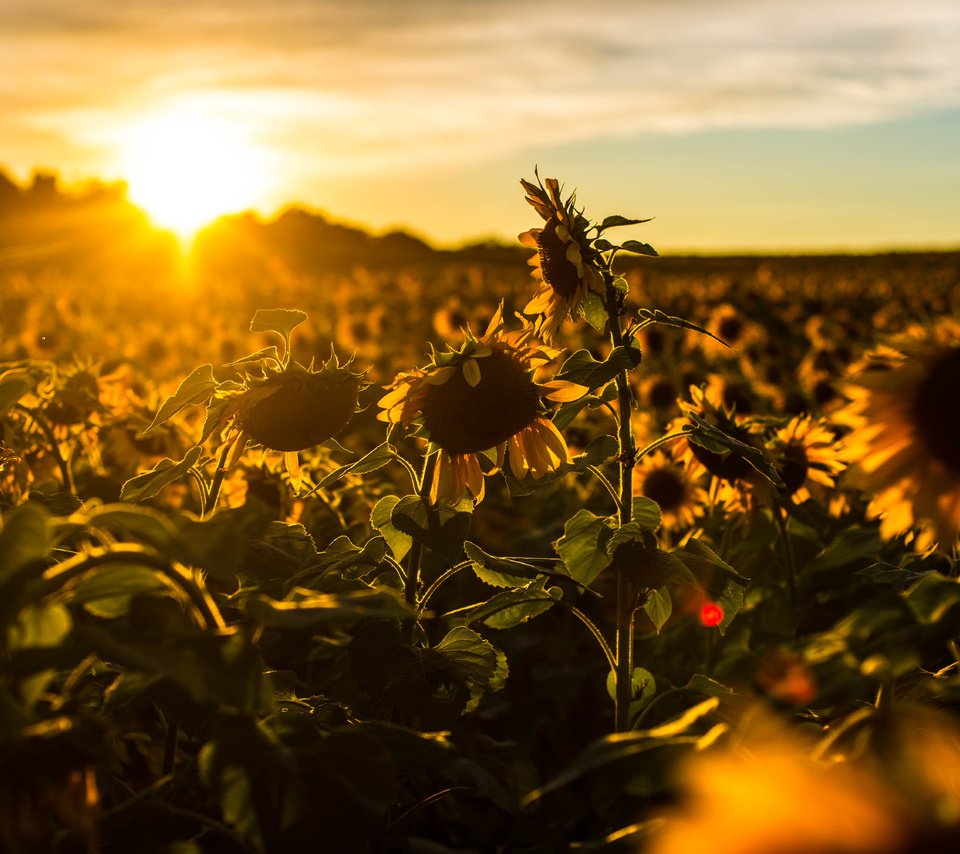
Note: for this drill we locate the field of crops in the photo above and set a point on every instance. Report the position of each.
(691, 585)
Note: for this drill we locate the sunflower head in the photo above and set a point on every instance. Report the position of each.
(298, 407)
(904, 416)
(675, 488)
(482, 398)
(565, 264)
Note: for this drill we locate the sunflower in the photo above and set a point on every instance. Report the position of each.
(673, 487)
(904, 411)
(726, 465)
(482, 401)
(561, 264)
(767, 789)
(809, 456)
(291, 410)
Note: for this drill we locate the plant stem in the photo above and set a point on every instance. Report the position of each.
(627, 458)
(214, 492)
(583, 618)
(65, 474)
(440, 580)
(411, 584)
(788, 558)
(606, 484)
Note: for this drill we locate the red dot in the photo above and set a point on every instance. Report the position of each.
(711, 614)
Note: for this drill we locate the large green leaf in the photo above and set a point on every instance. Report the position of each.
(381, 519)
(509, 608)
(583, 545)
(197, 388)
(24, 539)
(581, 368)
(149, 483)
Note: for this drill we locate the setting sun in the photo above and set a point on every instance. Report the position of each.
(185, 169)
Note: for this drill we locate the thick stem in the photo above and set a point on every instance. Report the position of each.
(627, 458)
(411, 584)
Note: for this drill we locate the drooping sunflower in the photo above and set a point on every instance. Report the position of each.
(562, 265)
(482, 401)
(291, 410)
(904, 411)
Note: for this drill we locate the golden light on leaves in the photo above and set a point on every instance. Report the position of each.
(186, 167)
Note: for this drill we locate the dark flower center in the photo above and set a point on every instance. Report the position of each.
(665, 487)
(936, 410)
(558, 271)
(793, 469)
(663, 394)
(730, 466)
(465, 419)
(730, 329)
(304, 411)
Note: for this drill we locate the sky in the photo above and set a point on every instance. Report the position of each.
(747, 125)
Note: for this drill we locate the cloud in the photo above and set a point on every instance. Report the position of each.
(374, 86)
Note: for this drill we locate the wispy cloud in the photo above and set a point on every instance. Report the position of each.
(371, 86)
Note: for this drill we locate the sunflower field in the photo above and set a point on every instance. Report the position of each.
(601, 552)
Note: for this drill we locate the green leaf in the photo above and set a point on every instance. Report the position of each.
(251, 777)
(107, 592)
(583, 545)
(713, 439)
(218, 544)
(731, 601)
(658, 607)
(149, 483)
(706, 565)
(381, 519)
(305, 610)
(685, 720)
(280, 320)
(442, 530)
(932, 596)
(197, 388)
(643, 687)
(612, 749)
(131, 522)
(595, 311)
(853, 547)
(42, 625)
(639, 248)
(646, 512)
(509, 608)
(14, 384)
(581, 368)
(498, 571)
(471, 657)
(658, 316)
(375, 459)
(705, 685)
(615, 221)
(24, 539)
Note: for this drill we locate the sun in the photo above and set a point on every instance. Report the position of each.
(185, 168)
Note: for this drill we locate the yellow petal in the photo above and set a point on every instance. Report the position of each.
(471, 372)
(563, 391)
(291, 460)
